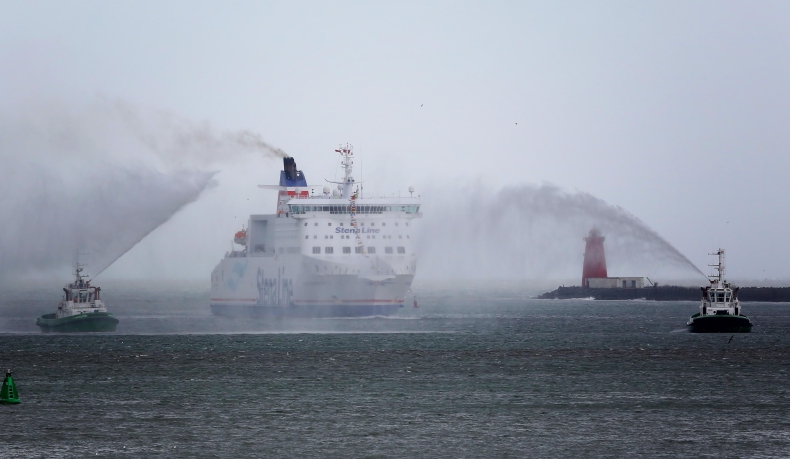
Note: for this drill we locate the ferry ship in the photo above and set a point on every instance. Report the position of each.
(720, 309)
(335, 253)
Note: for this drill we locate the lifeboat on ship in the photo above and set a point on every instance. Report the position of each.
(240, 237)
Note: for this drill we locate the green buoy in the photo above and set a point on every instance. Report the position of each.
(9, 394)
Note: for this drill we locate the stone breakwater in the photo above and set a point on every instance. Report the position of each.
(665, 293)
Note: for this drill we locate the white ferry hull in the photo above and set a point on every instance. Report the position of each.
(302, 286)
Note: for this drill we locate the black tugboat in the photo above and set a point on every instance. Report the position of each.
(720, 310)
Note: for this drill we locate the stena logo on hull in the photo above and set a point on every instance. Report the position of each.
(357, 230)
(275, 291)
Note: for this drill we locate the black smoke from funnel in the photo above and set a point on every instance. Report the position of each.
(535, 232)
(176, 139)
(96, 180)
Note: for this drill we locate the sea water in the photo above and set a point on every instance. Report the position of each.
(475, 371)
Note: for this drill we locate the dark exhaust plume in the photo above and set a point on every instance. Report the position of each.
(535, 232)
(178, 140)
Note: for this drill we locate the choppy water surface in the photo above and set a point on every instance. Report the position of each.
(476, 371)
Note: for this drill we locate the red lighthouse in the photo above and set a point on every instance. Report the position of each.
(594, 257)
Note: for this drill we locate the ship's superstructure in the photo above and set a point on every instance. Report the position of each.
(329, 254)
(720, 309)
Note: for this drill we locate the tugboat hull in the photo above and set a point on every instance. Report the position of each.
(719, 323)
(82, 323)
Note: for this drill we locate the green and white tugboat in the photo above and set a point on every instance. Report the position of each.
(720, 310)
(81, 309)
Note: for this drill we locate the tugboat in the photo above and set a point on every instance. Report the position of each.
(720, 310)
(80, 311)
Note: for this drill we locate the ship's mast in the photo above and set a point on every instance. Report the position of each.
(347, 185)
(348, 165)
(719, 277)
(78, 272)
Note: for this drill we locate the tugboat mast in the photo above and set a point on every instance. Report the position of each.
(720, 269)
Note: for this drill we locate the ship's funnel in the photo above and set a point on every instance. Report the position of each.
(290, 175)
(594, 257)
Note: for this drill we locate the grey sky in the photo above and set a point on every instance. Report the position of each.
(676, 111)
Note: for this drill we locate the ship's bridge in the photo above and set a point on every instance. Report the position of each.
(407, 207)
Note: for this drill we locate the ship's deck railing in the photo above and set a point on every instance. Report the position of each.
(346, 209)
(306, 195)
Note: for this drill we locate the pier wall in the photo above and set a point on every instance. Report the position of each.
(665, 293)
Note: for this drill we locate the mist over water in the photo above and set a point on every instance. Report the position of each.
(97, 179)
(536, 232)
